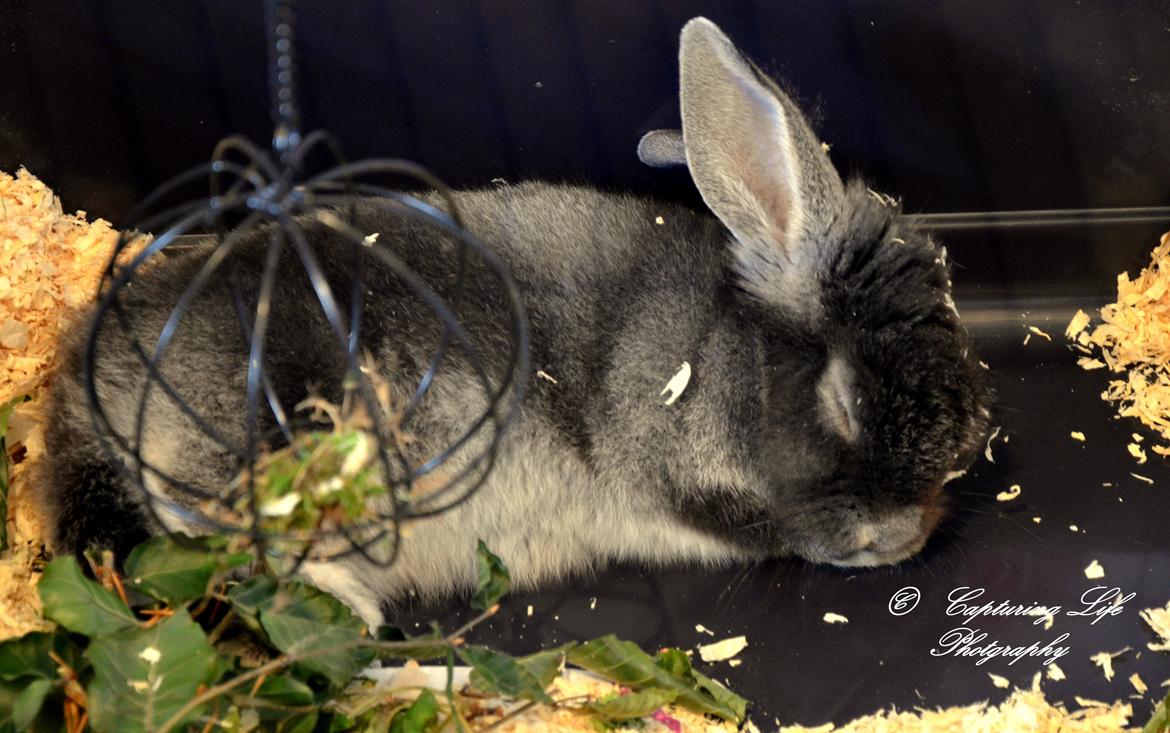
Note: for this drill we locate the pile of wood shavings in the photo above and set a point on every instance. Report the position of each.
(1134, 340)
(1024, 711)
(545, 719)
(50, 264)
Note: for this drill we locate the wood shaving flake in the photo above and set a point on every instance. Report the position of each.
(704, 630)
(1134, 343)
(1136, 451)
(1038, 332)
(987, 450)
(1089, 364)
(1104, 660)
(546, 376)
(1011, 494)
(723, 650)
(1001, 682)
(1158, 619)
(1054, 673)
(1138, 683)
(1077, 435)
(1094, 571)
(1147, 479)
(1077, 324)
(835, 618)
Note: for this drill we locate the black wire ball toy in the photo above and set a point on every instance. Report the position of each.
(249, 190)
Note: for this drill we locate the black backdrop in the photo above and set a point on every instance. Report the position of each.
(954, 106)
(1001, 104)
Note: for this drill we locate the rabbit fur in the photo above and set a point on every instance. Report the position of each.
(833, 393)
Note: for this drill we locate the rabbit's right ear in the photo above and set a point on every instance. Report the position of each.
(756, 162)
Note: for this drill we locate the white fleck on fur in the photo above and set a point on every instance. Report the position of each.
(677, 383)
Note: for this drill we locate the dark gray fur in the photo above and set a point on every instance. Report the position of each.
(833, 392)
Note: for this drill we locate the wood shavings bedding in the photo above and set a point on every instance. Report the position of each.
(545, 719)
(50, 265)
(1024, 711)
(1158, 619)
(1134, 343)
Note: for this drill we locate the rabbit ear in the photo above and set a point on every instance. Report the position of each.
(662, 149)
(753, 157)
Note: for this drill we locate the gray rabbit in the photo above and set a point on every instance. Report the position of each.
(832, 393)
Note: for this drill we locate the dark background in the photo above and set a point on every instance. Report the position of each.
(953, 106)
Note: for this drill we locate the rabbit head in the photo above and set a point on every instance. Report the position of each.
(872, 397)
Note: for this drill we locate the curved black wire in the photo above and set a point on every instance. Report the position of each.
(248, 188)
(282, 206)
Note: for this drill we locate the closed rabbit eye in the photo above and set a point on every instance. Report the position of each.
(838, 405)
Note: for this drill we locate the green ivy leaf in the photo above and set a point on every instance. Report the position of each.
(419, 717)
(546, 665)
(430, 646)
(284, 690)
(6, 411)
(249, 597)
(633, 705)
(494, 580)
(722, 696)
(493, 671)
(624, 662)
(676, 664)
(300, 618)
(179, 571)
(28, 703)
(28, 656)
(16, 701)
(78, 603)
(1160, 723)
(301, 723)
(144, 676)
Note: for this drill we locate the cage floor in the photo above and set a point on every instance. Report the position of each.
(800, 669)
